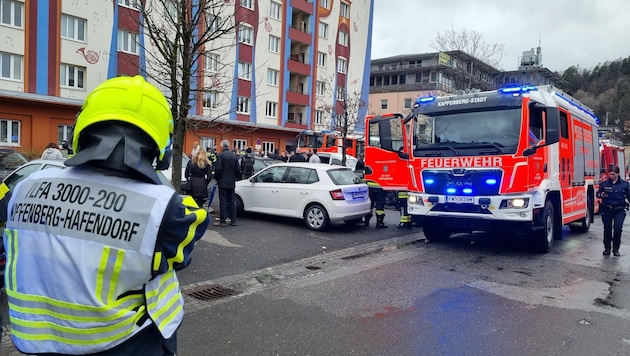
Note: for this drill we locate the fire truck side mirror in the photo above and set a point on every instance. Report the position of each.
(529, 151)
(367, 170)
(552, 127)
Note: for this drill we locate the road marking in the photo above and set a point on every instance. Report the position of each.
(216, 238)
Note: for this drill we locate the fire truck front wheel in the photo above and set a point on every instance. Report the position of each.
(435, 232)
(543, 236)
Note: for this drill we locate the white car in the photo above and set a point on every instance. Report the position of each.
(316, 192)
(335, 158)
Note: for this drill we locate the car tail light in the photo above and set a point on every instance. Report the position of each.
(336, 194)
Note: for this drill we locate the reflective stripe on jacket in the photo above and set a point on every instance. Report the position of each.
(80, 261)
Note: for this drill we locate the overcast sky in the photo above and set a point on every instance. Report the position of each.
(571, 32)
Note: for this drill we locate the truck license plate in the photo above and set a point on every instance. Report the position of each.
(459, 200)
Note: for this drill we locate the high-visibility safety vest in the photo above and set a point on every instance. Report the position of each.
(80, 251)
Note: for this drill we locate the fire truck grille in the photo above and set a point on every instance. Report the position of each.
(462, 182)
(460, 208)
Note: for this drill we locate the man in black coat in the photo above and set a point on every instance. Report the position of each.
(227, 172)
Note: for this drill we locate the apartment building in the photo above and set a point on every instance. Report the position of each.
(279, 73)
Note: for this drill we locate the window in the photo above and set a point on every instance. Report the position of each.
(242, 105)
(344, 10)
(323, 30)
(343, 38)
(212, 22)
(321, 59)
(72, 76)
(342, 65)
(127, 41)
(275, 10)
(134, 4)
(210, 100)
(274, 44)
(245, 34)
(341, 93)
(245, 70)
(239, 144)
(11, 12)
(384, 104)
(407, 103)
(72, 28)
(319, 117)
(212, 62)
(272, 109)
(10, 132)
(64, 133)
(272, 76)
(320, 88)
(268, 147)
(324, 3)
(10, 66)
(207, 142)
(247, 4)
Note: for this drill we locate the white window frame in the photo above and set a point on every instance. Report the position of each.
(321, 59)
(210, 100)
(342, 65)
(343, 38)
(128, 42)
(319, 117)
(325, 4)
(320, 88)
(211, 63)
(272, 76)
(11, 65)
(274, 44)
(248, 4)
(384, 104)
(244, 70)
(132, 4)
(340, 93)
(239, 144)
(245, 34)
(271, 109)
(73, 28)
(323, 30)
(212, 22)
(268, 147)
(275, 10)
(242, 105)
(64, 133)
(6, 132)
(16, 16)
(72, 76)
(344, 10)
(206, 142)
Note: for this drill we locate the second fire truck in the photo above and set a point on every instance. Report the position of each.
(514, 160)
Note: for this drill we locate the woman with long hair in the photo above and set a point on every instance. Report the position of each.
(199, 172)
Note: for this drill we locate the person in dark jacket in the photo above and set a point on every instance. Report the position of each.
(227, 172)
(298, 157)
(613, 192)
(199, 172)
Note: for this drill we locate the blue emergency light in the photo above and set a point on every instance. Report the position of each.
(517, 90)
(424, 100)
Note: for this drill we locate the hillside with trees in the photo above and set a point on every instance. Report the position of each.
(606, 89)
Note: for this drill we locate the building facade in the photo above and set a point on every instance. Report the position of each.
(279, 72)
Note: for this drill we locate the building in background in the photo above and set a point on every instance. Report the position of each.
(261, 86)
(396, 82)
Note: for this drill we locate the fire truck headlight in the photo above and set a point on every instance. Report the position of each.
(414, 199)
(517, 203)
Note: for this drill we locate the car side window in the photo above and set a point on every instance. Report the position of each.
(12, 180)
(300, 175)
(272, 175)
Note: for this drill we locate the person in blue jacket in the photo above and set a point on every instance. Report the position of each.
(614, 193)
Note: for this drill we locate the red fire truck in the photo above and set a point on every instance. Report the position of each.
(612, 152)
(519, 159)
(328, 141)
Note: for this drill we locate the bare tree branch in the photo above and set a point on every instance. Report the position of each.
(471, 42)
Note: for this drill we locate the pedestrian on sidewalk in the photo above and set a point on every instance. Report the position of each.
(199, 172)
(614, 193)
(227, 172)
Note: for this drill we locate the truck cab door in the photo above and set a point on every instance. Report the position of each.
(386, 154)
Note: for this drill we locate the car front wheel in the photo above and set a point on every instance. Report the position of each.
(316, 217)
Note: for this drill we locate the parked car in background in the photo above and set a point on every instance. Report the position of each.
(335, 158)
(10, 159)
(261, 162)
(318, 193)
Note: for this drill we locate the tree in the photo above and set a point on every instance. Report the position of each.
(179, 31)
(471, 42)
(345, 114)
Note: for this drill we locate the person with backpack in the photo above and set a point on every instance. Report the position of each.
(247, 164)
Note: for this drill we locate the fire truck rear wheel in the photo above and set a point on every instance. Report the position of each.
(542, 240)
(435, 232)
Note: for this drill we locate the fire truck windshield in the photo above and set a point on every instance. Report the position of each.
(312, 141)
(467, 133)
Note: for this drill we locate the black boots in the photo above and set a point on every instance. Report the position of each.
(366, 220)
(379, 221)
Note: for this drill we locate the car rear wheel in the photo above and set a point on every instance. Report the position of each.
(316, 217)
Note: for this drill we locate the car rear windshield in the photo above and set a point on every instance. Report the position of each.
(343, 176)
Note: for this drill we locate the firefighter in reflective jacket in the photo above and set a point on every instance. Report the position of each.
(92, 249)
(405, 218)
(377, 196)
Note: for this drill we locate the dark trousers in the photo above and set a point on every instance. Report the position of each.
(377, 196)
(227, 205)
(613, 223)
